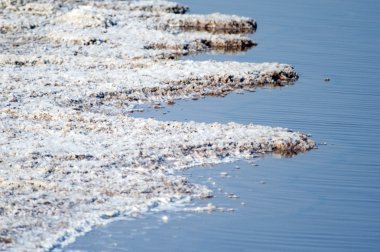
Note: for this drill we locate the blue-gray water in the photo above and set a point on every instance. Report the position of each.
(325, 200)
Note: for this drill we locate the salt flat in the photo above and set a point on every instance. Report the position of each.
(71, 157)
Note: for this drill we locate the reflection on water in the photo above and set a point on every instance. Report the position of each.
(325, 200)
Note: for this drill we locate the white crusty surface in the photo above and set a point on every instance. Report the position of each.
(71, 157)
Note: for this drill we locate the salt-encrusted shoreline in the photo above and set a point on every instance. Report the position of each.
(70, 72)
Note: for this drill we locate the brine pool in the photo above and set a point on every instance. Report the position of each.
(323, 200)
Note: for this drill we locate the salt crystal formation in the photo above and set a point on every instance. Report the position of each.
(70, 73)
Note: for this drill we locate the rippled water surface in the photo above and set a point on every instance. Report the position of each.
(325, 200)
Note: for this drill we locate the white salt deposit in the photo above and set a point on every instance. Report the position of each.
(70, 72)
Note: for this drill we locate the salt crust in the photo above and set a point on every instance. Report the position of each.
(70, 155)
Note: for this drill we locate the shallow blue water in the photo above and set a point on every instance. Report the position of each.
(325, 200)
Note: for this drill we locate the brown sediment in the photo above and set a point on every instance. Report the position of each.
(215, 23)
(198, 45)
(212, 85)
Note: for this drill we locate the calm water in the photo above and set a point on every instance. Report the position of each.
(325, 200)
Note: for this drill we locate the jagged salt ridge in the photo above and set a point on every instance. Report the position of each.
(121, 32)
(67, 172)
(72, 84)
(70, 72)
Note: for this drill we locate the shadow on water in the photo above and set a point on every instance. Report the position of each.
(323, 200)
